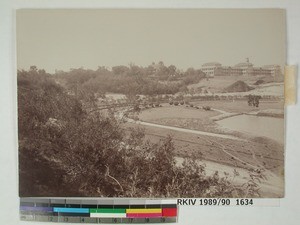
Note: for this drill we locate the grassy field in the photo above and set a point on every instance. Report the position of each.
(181, 116)
(171, 111)
(199, 119)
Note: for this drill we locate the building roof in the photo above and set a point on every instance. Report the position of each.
(271, 66)
(244, 64)
(212, 64)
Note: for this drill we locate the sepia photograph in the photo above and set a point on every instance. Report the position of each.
(151, 103)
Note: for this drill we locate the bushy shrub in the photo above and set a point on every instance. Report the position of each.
(207, 108)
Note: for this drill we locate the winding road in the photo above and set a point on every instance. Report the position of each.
(185, 130)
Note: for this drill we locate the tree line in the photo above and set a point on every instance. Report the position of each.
(154, 79)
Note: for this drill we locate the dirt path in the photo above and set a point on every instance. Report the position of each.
(185, 130)
(220, 111)
(223, 148)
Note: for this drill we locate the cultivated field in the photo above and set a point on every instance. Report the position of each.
(253, 153)
(248, 152)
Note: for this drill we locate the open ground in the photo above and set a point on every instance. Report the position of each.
(247, 152)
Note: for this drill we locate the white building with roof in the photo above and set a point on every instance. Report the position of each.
(212, 69)
(246, 67)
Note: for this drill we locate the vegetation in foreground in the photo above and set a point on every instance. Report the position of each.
(65, 151)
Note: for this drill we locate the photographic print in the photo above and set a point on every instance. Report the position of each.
(152, 103)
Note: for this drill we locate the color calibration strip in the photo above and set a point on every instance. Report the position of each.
(75, 210)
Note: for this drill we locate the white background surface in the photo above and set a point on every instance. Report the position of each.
(289, 211)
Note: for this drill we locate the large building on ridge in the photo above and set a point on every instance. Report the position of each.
(212, 69)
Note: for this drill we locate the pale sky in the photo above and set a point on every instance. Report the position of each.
(64, 39)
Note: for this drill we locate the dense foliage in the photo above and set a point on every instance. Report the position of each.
(65, 151)
(253, 100)
(155, 79)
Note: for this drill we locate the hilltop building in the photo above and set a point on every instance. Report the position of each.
(212, 69)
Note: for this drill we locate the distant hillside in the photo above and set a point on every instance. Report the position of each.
(239, 86)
